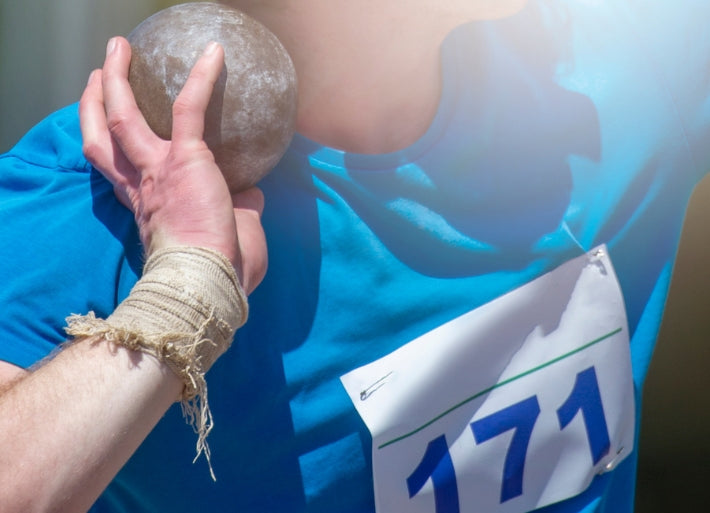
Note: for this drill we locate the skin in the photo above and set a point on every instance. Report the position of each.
(352, 59)
(351, 68)
(122, 394)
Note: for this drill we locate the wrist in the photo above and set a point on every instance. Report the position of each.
(184, 311)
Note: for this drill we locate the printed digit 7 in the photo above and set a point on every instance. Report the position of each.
(521, 417)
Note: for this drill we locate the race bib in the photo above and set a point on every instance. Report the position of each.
(508, 408)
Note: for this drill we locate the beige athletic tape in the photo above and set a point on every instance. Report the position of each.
(184, 311)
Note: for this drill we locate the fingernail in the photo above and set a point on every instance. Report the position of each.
(211, 48)
(111, 46)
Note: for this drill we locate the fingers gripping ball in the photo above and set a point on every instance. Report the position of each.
(251, 116)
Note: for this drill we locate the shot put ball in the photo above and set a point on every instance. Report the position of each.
(251, 116)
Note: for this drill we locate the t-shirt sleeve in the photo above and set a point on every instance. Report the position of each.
(66, 245)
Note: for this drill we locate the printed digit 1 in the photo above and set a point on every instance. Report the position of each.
(521, 417)
(437, 465)
(585, 396)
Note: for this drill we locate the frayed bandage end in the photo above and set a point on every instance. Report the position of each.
(183, 311)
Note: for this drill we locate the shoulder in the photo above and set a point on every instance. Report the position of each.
(55, 142)
(66, 244)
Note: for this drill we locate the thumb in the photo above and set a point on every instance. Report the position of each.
(248, 207)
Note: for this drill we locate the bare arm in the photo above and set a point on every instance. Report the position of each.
(9, 373)
(69, 426)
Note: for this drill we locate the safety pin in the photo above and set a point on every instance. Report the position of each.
(374, 387)
(611, 465)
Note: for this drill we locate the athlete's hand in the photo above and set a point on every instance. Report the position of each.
(174, 188)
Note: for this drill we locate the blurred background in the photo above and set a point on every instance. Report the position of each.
(47, 49)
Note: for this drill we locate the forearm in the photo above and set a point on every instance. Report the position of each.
(70, 426)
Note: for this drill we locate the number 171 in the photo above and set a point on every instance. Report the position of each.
(521, 417)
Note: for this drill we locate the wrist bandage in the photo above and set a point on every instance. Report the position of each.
(184, 311)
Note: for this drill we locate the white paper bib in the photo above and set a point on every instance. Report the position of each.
(508, 408)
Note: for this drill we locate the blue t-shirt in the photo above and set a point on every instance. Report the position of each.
(568, 125)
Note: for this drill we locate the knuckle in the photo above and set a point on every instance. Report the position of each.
(183, 105)
(92, 150)
(116, 120)
(200, 74)
(250, 199)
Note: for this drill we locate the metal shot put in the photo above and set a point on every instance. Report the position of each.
(251, 116)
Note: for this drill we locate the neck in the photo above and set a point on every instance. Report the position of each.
(369, 77)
